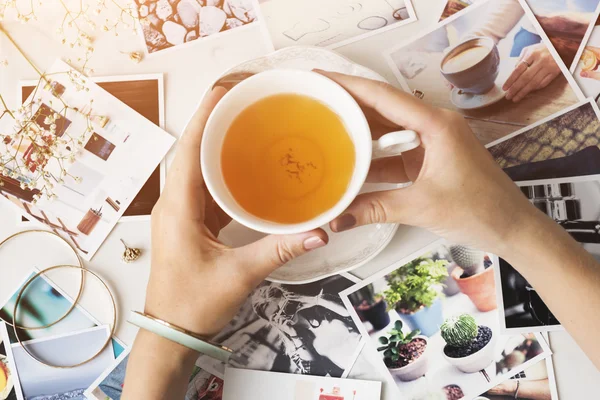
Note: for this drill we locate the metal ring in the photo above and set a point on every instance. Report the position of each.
(113, 326)
(81, 284)
(526, 63)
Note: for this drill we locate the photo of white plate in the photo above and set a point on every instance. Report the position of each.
(345, 251)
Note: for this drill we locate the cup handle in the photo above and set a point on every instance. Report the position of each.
(395, 143)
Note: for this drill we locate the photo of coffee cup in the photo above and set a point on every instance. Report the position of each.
(311, 85)
(472, 66)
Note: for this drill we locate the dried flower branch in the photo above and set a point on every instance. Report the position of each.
(38, 135)
(80, 20)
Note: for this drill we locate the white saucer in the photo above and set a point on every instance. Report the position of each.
(467, 101)
(345, 251)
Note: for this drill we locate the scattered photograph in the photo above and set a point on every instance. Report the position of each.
(36, 158)
(145, 95)
(301, 329)
(433, 319)
(566, 22)
(574, 203)
(330, 23)
(249, 385)
(8, 373)
(109, 386)
(564, 145)
(535, 383)
(465, 63)
(43, 303)
(37, 380)
(171, 23)
(204, 386)
(587, 71)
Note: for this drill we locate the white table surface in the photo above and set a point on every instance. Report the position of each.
(187, 74)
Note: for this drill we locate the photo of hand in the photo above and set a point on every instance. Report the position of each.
(490, 63)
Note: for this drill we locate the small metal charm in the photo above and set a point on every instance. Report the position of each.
(130, 254)
(418, 94)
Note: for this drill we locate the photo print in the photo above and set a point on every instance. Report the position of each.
(565, 145)
(38, 381)
(301, 329)
(8, 373)
(109, 386)
(574, 203)
(145, 95)
(39, 180)
(43, 303)
(249, 385)
(587, 71)
(329, 23)
(438, 333)
(467, 61)
(536, 382)
(566, 22)
(171, 23)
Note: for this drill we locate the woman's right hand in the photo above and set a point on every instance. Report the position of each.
(459, 192)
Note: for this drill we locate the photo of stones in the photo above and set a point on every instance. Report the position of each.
(434, 320)
(170, 23)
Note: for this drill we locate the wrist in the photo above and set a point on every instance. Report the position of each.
(178, 355)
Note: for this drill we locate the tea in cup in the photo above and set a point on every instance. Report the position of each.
(286, 151)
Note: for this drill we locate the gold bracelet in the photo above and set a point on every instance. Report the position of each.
(81, 283)
(113, 326)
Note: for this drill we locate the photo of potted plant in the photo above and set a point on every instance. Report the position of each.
(469, 347)
(371, 307)
(404, 355)
(473, 278)
(415, 291)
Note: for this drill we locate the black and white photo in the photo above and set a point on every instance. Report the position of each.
(302, 329)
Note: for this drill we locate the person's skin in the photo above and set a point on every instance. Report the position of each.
(531, 390)
(542, 70)
(458, 193)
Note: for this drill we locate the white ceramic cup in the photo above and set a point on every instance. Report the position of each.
(320, 88)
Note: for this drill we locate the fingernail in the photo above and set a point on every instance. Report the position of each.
(313, 243)
(343, 223)
(508, 96)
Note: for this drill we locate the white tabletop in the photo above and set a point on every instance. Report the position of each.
(188, 72)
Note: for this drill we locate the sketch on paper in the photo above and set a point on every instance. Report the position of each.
(330, 23)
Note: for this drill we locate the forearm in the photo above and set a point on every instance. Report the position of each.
(565, 275)
(501, 19)
(157, 369)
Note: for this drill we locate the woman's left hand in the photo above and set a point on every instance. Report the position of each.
(196, 282)
(535, 70)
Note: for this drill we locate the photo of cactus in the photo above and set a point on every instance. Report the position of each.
(434, 320)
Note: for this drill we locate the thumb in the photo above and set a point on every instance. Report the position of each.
(393, 206)
(274, 251)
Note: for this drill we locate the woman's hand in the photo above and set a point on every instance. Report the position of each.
(459, 192)
(196, 282)
(535, 70)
